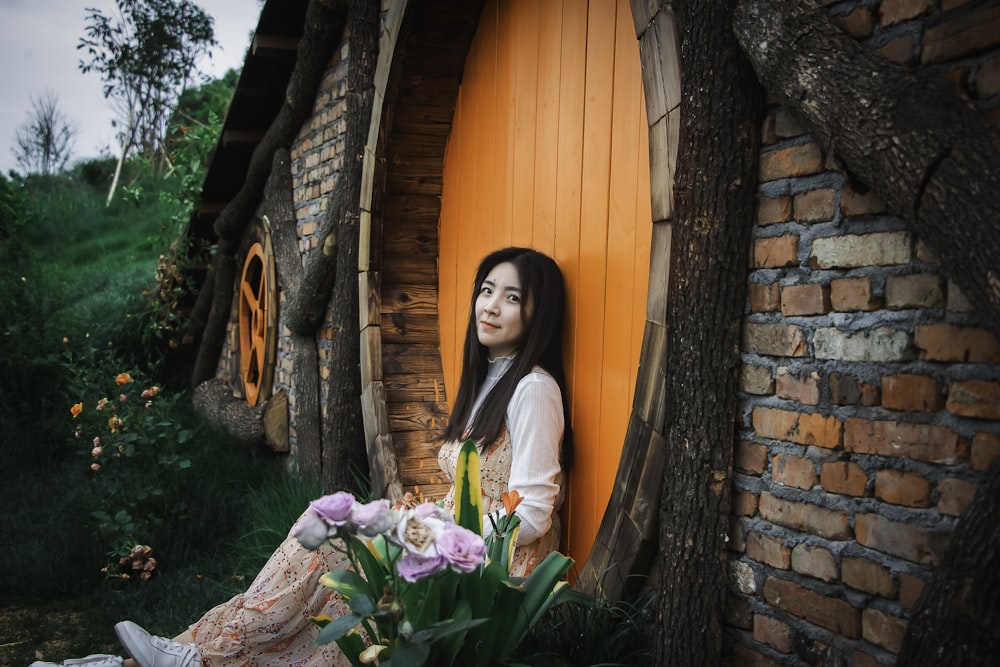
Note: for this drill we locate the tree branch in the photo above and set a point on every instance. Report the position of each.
(909, 135)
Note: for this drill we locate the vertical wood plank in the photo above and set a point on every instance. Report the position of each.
(448, 244)
(524, 105)
(500, 233)
(621, 261)
(593, 271)
(543, 219)
(468, 161)
(491, 153)
(572, 91)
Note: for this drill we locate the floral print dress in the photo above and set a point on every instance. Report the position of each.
(494, 465)
(268, 625)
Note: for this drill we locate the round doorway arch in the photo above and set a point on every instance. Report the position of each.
(404, 399)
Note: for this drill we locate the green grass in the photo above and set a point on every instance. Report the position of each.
(72, 276)
(594, 633)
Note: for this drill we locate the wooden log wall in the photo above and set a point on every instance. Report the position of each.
(402, 382)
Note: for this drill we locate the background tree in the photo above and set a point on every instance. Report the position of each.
(44, 143)
(192, 137)
(146, 53)
(197, 105)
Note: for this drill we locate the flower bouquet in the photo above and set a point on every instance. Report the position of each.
(424, 586)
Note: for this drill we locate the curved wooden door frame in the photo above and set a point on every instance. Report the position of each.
(422, 52)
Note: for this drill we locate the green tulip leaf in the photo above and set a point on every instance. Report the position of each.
(346, 582)
(338, 627)
(468, 489)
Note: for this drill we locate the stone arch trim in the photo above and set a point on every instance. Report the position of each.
(422, 51)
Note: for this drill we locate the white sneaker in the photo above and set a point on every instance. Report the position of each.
(152, 651)
(96, 660)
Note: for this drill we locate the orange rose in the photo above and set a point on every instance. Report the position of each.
(76, 410)
(123, 378)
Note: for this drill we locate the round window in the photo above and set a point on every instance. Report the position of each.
(256, 323)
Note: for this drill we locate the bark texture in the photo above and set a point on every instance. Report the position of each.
(345, 460)
(288, 262)
(957, 619)
(715, 210)
(908, 134)
(214, 402)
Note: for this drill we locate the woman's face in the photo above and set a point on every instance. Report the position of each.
(499, 324)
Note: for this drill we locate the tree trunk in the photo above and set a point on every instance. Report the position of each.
(957, 619)
(906, 133)
(117, 175)
(214, 402)
(715, 209)
(345, 461)
(305, 368)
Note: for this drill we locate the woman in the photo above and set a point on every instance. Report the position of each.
(511, 401)
(511, 397)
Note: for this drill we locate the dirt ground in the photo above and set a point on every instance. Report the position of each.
(52, 634)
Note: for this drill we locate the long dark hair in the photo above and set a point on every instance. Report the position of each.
(542, 287)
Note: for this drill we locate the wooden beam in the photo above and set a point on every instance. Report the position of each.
(626, 541)
(271, 45)
(242, 137)
(211, 208)
(381, 453)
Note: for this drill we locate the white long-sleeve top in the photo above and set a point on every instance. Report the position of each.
(535, 424)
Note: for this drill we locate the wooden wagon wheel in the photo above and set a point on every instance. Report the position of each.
(256, 322)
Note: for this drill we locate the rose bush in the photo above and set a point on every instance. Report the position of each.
(138, 456)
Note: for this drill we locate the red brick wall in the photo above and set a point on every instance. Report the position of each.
(870, 395)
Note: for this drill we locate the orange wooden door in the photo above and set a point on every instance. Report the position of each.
(549, 150)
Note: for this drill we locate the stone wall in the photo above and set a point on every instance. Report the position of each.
(870, 396)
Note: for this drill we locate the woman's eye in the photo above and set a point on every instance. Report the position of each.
(513, 298)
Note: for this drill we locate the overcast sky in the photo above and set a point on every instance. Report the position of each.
(38, 52)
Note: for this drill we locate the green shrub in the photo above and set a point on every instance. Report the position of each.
(126, 430)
